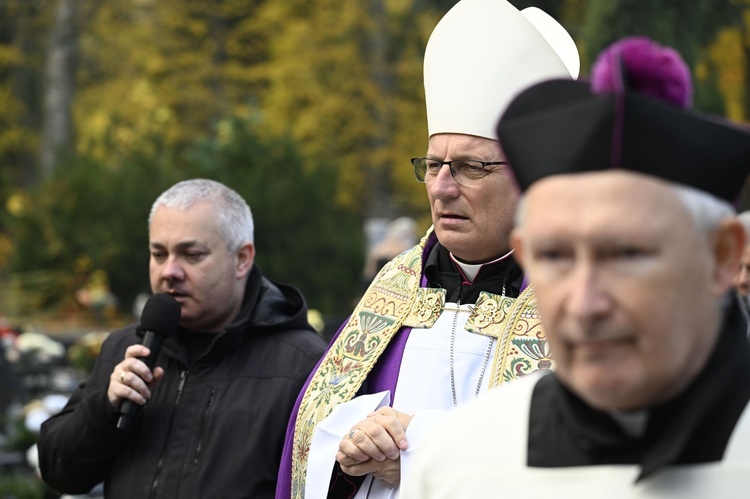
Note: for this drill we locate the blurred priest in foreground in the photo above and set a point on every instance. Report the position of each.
(627, 232)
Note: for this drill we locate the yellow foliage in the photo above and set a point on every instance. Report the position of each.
(17, 203)
(6, 248)
(153, 70)
(10, 56)
(728, 57)
(338, 88)
(343, 79)
(14, 136)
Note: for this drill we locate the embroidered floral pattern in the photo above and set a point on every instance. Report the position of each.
(427, 308)
(376, 319)
(394, 299)
(489, 314)
(522, 347)
(536, 349)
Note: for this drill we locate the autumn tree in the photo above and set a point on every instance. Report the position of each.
(20, 74)
(167, 68)
(326, 94)
(345, 79)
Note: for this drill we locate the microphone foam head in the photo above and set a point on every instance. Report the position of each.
(161, 315)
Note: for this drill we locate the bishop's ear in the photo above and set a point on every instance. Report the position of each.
(516, 244)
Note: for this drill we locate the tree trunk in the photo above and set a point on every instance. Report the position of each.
(59, 86)
(379, 203)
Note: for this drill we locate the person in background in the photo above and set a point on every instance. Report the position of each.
(216, 404)
(400, 235)
(627, 230)
(742, 280)
(447, 319)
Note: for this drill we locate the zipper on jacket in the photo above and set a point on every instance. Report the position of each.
(203, 425)
(183, 378)
(160, 463)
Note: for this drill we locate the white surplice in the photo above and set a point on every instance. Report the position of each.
(423, 389)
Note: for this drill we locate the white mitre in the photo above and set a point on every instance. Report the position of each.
(484, 52)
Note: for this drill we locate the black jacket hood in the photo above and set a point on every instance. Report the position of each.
(267, 307)
(270, 305)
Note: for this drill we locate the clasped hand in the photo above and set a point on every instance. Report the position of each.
(374, 446)
(131, 379)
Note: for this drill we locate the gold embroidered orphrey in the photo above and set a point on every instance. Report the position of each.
(395, 299)
(522, 346)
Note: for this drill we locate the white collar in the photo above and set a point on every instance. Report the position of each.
(470, 270)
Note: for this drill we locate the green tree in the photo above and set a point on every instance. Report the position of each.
(87, 215)
(20, 66)
(685, 27)
(93, 215)
(302, 237)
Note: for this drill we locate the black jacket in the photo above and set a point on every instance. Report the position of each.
(212, 429)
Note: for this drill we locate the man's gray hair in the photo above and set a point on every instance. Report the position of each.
(706, 210)
(232, 212)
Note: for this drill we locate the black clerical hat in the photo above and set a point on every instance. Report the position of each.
(561, 126)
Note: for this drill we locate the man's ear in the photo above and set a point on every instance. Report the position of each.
(728, 243)
(245, 258)
(516, 243)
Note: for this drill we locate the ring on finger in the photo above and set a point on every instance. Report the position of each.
(122, 377)
(351, 433)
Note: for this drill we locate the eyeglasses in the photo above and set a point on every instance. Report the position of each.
(465, 172)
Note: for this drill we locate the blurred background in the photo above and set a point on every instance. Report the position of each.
(310, 109)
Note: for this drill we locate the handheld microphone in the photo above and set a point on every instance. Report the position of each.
(159, 320)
